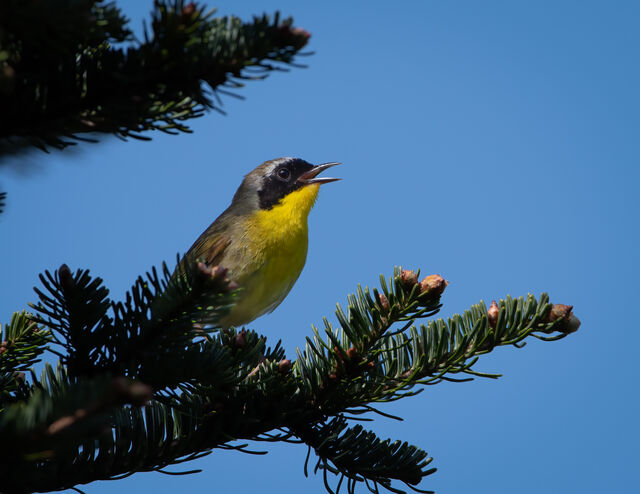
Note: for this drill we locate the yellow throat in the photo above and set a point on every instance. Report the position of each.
(274, 252)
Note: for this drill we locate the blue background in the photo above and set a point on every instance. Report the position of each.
(495, 143)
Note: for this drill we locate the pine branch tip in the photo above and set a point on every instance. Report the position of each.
(433, 286)
(429, 289)
(66, 278)
(569, 323)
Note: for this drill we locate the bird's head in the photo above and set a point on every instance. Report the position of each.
(282, 180)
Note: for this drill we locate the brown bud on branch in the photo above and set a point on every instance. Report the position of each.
(560, 311)
(570, 323)
(241, 339)
(292, 36)
(284, 366)
(352, 353)
(433, 286)
(408, 279)
(383, 302)
(493, 313)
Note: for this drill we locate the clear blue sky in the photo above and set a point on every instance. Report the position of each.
(495, 143)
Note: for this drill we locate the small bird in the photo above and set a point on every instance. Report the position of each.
(262, 237)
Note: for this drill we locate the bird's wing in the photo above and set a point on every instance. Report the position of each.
(210, 248)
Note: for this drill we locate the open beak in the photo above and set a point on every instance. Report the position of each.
(311, 176)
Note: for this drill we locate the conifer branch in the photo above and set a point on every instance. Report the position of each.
(215, 387)
(77, 79)
(22, 344)
(59, 413)
(162, 320)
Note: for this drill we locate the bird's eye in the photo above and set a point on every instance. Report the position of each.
(284, 174)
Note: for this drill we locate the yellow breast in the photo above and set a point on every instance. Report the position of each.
(274, 250)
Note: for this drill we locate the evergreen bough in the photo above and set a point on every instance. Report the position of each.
(69, 68)
(153, 381)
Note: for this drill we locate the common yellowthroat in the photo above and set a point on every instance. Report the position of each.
(261, 238)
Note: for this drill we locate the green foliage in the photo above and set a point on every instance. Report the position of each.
(358, 455)
(154, 336)
(23, 342)
(65, 71)
(58, 413)
(152, 381)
